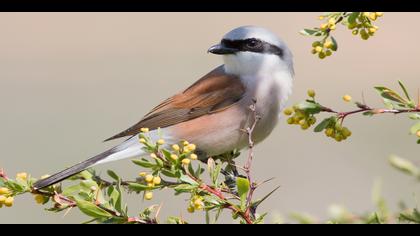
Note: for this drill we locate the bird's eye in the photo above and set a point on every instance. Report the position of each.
(252, 43)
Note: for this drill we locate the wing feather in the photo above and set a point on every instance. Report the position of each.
(213, 93)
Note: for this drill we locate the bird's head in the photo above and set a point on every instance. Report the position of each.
(251, 50)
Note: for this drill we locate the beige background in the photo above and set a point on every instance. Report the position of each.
(70, 80)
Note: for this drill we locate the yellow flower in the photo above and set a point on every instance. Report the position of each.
(366, 14)
(148, 195)
(318, 49)
(379, 14)
(157, 180)
(144, 130)
(373, 16)
(311, 93)
(148, 178)
(192, 147)
(185, 143)
(190, 209)
(2, 199)
(39, 199)
(372, 30)
(150, 185)
(186, 161)
(324, 26)
(4, 191)
(175, 147)
(161, 142)
(142, 140)
(288, 111)
(347, 98)
(198, 204)
(333, 27)
(328, 44)
(321, 17)
(193, 157)
(142, 174)
(174, 157)
(22, 176)
(331, 21)
(9, 201)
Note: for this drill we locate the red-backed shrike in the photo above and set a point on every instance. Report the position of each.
(213, 112)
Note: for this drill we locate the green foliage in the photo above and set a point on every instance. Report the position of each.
(305, 113)
(166, 167)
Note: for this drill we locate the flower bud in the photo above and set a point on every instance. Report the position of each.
(153, 155)
(193, 157)
(144, 130)
(174, 157)
(175, 147)
(9, 201)
(39, 199)
(318, 49)
(288, 111)
(347, 98)
(191, 209)
(311, 93)
(161, 142)
(192, 147)
(142, 140)
(149, 178)
(4, 191)
(157, 180)
(418, 133)
(22, 176)
(186, 161)
(142, 174)
(148, 196)
(2, 199)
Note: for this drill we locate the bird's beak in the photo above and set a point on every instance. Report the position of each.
(221, 50)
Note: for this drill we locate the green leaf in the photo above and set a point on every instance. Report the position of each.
(415, 116)
(404, 165)
(113, 175)
(404, 89)
(188, 180)
(169, 173)
(92, 210)
(309, 107)
(14, 186)
(391, 95)
(335, 44)
(143, 163)
(415, 128)
(70, 191)
(243, 186)
(216, 173)
(323, 125)
(257, 203)
(308, 32)
(184, 188)
(352, 18)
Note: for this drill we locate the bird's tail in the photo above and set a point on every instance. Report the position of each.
(128, 149)
(71, 171)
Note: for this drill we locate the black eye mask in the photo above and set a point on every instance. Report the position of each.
(253, 45)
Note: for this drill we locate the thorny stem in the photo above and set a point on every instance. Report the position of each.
(364, 108)
(248, 165)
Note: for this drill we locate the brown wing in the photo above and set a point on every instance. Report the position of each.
(214, 92)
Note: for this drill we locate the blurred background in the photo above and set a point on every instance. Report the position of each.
(70, 80)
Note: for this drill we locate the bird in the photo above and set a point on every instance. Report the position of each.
(213, 112)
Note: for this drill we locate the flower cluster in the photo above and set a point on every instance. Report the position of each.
(363, 24)
(196, 203)
(360, 23)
